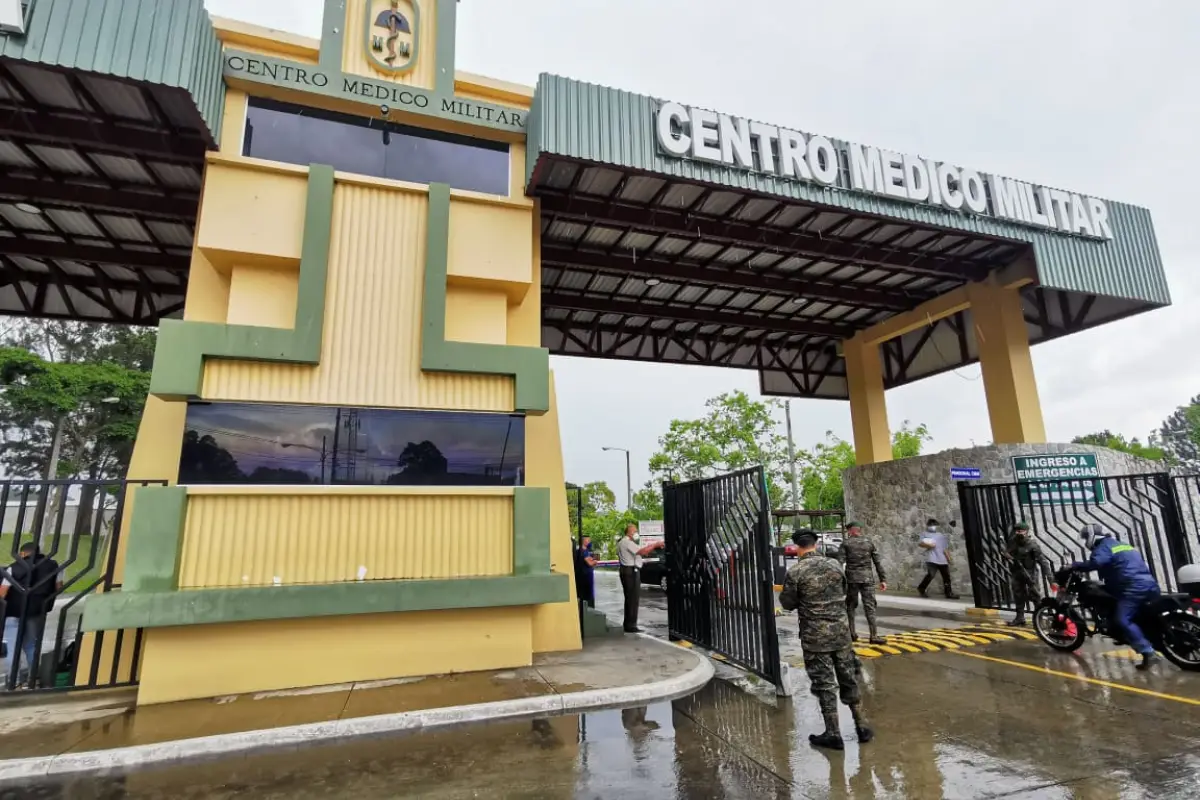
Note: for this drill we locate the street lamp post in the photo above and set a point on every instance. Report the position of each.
(628, 476)
(320, 450)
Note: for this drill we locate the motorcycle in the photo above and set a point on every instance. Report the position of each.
(1082, 609)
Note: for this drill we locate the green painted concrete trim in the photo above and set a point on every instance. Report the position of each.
(333, 35)
(183, 346)
(125, 609)
(155, 539)
(531, 530)
(415, 24)
(447, 36)
(528, 366)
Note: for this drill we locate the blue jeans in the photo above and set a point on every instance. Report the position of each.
(1127, 608)
(33, 633)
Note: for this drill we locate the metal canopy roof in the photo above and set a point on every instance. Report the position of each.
(103, 131)
(649, 260)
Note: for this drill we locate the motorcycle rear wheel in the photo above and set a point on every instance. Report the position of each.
(1181, 641)
(1044, 622)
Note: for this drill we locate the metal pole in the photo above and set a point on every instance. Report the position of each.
(787, 413)
(628, 484)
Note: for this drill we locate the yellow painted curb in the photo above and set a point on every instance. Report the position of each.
(982, 612)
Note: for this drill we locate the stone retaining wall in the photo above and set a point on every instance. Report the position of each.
(893, 499)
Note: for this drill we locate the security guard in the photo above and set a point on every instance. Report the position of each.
(1025, 556)
(860, 557)
(815, 586)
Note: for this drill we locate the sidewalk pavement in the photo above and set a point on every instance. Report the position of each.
(957, 610)
(108, 734)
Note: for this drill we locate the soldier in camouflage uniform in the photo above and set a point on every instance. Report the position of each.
(1025, 555)
(860, 557)
(815, 586)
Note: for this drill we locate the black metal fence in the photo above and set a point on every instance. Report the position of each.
(1151, 512)
(720, 592)
(58, 545)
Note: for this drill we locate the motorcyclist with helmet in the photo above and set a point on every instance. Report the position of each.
(1127, 578)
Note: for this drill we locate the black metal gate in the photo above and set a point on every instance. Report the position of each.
(1142, 510)
(720, 592)
(72, 530)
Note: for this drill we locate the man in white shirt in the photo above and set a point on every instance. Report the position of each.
(629, 556)
(937, 559)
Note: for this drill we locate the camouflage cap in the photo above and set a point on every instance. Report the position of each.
(854, 524)
(1021, 526)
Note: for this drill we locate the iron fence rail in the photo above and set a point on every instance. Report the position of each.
(720, 589)
(1156, 513)
(76, 524)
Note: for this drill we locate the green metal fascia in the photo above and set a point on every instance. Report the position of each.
(599, 125)
(170, 44)
(150, 596)
(528, 366)
(183, 346)
(124, 609)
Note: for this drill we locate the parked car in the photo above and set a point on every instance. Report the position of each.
(827, 545)
(654, 571)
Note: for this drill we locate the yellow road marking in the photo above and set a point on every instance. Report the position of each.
(933, 639)
(905, 646)
(892, 651)
(957, 638)
(867, 652)
(1122, 653)
(972, 638)
(682, 643)
(1108, 684)
(995, 637)
(924, 645)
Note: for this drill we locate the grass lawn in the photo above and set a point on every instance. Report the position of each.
(64, 548)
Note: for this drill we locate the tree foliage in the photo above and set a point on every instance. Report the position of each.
(87, 382)
(1115, 441)
(1180, 435)
(820, 469)
(603, 522)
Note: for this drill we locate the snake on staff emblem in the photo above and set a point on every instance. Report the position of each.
(396, 24)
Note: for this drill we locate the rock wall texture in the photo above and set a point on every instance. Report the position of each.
(893, 499)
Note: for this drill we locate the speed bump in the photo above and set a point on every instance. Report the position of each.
(935, 639)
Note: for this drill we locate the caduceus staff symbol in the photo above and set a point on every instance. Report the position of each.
(396, 24)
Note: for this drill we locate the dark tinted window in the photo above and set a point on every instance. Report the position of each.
(298, 135)
(255, 443)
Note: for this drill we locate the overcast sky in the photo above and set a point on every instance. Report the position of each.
(1093, 96)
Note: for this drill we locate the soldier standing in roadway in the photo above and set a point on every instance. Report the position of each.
(815, 586)
(860, 557)
(1025, 555)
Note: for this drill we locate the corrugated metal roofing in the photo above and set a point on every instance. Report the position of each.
(615, 128)
(166, 42)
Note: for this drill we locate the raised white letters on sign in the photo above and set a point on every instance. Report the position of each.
(744, 144)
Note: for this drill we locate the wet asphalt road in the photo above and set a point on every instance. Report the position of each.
(1011, 720)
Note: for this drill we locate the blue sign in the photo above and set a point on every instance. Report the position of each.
(965, 473)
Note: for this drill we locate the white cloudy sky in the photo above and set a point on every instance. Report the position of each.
(1097, 96)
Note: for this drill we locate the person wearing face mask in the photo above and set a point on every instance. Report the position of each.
(1025, 557)
(937, 559)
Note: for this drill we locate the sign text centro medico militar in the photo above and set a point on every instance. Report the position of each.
(703, 135)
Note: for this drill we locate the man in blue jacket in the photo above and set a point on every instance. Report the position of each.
(1126, 577)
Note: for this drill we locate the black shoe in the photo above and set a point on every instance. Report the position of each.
(952, 596)
(1148, 660)
(865, 734)
(831, 741)
(633, 630)
(922, 592)
(1016, 623)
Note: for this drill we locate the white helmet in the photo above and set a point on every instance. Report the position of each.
(1092, 533)
(1189, 575)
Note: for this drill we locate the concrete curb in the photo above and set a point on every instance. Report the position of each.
(122, 759)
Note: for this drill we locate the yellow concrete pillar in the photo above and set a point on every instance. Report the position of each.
(1008, 380)
(868, 406)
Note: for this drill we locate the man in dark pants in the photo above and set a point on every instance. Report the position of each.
(816, 587)
(629, 556)
(937, 559)
(585, 578)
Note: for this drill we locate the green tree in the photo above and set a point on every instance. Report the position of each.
(598, 499)
(648, 502)
(1115, 441)
(820, 469)
(735, 432)
(1180, 435)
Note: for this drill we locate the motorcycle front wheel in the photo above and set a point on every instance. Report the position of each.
(1181, 641)
(1065, 635)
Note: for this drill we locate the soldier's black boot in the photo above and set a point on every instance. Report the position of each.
(853, 633)
(865, 734)
(832, 737)
(875, 637)
(1016, 622)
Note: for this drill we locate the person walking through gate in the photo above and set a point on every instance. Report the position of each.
(27, 592)
(937, 559)
(860, 557)
(629, 556)
(816, 588)
(1025, 556)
